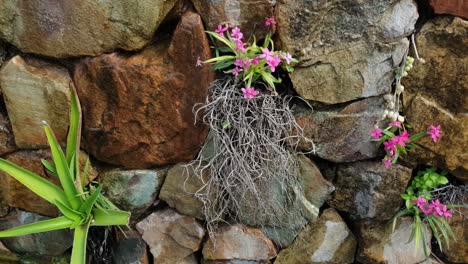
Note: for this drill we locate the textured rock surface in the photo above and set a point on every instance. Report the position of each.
(458, 253)
(316, 192)
(130, 249)
(132, 190)
(17, 195)
(172, 237)
(369, 190)
(342, 134)
(6, 256)
(436, 93)
(179, 189)
(453, 7)
(349, 48)
(7, 140)
(35, 90)
(238, 242)
(80, 27)
(248, 15)
(377, 243)
(137, 109)
(327, 240)
(52, 243)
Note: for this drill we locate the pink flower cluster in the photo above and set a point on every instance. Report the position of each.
(249, 93)
(435, 207)
(391, 144)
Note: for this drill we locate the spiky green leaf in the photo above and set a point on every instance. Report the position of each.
(79, 244)
(37, 227)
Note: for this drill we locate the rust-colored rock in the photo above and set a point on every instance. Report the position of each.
(17, 195)
(137, 109)
(248, 15)
(451, 7)
(7, 140)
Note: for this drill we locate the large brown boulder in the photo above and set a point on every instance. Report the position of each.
(137, 108)
(349, 49)
(80, 27)
(369, 190)
(341, 134)
(328, 240)
(435, 93)
(452, 7)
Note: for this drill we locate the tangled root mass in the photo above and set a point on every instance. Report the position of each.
(249, 165)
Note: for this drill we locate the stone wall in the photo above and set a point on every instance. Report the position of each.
(134, 66)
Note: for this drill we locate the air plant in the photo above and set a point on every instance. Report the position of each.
(81, 206)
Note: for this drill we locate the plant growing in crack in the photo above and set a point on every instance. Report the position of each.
(252, 174)
(424, 201)
(81, 206)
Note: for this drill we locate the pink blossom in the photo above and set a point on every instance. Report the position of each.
(199, 62)
(270, 21)
(220, 30)
(390, 145)
(434, 132)
(255, 61)
(387, 162)
(236, 34)
(266, 53)
(236, 71)
(395, 124)
(420, 202)
(249, 93)
(376, 133)
(240, 45)
(402, 139)
(239, 63)
(287, 57)
(439, 209)
(273, 62)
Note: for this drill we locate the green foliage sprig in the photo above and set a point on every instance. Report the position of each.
(81, 206)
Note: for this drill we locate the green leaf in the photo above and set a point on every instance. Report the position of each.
(88, 205)
(73, 137)
(405, 196)
(401, 149)
(434, 231)
(79, 244)
(222, 65)
(388, 133)
(68, 212)
(423, 239)
(40, 186)
(104, 217)
(221, 58)
(50, 167)
(448, 228)
(443, 231)
(62, 169)
(418, 136)
(37, 227)
(397, 216)
(222, 39)
(443, 180)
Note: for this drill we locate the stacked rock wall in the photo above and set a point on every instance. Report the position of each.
(134, 66)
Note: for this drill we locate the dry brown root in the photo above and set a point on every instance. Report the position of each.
(253, 170)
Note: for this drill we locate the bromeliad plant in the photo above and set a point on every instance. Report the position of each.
(81, 206)
(420, 205)
(247, 61)
(252, 172)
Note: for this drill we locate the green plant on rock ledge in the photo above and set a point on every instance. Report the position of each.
(424, 208)
(81, 206)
